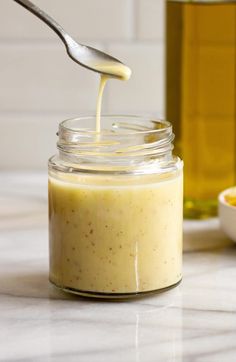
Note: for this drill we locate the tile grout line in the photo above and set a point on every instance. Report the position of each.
(133, 19)
(137, 19)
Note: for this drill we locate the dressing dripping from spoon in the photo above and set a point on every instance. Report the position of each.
(115, 70)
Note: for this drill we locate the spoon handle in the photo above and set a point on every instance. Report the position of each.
(46, 19)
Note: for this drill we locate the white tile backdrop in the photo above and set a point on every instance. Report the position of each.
(40, 85)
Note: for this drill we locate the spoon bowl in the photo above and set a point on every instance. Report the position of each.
(97, 61)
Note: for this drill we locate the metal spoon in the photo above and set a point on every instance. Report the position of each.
(86, 56)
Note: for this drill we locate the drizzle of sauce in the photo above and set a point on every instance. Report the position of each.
(114, 70)
(102, 84)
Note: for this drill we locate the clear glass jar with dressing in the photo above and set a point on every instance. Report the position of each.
(115, 208)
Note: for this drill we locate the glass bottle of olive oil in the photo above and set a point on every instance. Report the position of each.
(201, 97)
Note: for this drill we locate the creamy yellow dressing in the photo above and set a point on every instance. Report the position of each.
(109, 238)
(102, 84)
(116, 70)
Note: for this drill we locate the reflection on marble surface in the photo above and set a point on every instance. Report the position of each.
(194, 322)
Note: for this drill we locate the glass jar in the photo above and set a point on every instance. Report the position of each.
(115, 207)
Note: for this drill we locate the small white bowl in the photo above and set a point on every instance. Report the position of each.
(227, 215)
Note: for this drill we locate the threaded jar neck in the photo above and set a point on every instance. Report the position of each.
(125, 143)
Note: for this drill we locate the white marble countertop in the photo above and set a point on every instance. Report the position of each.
(194, 322)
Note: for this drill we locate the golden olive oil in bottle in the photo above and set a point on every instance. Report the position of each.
(201, 97)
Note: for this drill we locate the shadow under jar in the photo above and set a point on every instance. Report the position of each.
(115, 208)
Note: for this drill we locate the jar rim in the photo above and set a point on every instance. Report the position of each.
(114, 132)
(127, 143)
